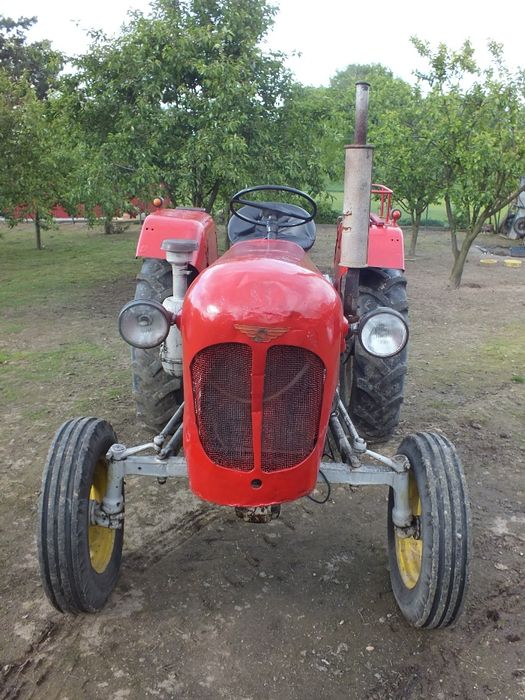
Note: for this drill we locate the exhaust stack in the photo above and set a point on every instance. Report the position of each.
(357, 186)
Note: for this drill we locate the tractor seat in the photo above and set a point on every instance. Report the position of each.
(303, 234)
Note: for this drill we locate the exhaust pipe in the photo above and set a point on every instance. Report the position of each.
(357, 186)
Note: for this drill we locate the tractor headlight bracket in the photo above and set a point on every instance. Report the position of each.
(382, 332)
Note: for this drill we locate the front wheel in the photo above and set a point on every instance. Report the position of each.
(429, 570)
(79, 561)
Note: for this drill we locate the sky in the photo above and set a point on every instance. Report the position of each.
(328, 34)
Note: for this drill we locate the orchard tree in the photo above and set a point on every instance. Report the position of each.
(389, 94)
(37, 63)
(187, 99)
(480, 129)
(35, 159)
(408, 159)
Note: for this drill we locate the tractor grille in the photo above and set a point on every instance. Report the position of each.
(221, 381)
(293, 391)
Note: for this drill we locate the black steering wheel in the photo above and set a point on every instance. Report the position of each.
(273, 207)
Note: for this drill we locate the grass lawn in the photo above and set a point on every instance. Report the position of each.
(51, 343)
(75, 257)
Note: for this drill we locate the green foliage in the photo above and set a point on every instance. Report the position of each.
(37, 63)
(479, 127)
(388, 95)
(35, 162)
(188, 100)
(186, 103)
(327, 210)
(408, 158)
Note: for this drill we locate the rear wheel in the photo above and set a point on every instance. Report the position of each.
(79, 560)
(519, 226)
(372, 387)
(156, 393)
(429, 570)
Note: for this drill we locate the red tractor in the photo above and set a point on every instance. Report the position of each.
(252, 363)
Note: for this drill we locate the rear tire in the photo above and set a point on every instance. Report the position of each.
(430, 572)
(519, 226)
(372, 387)
(79, 561)
(157, 394)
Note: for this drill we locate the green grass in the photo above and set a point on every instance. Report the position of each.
(43, 366)
(42, 360)
(501, 357)
(74, 259)
(508, 348)
(30, 379)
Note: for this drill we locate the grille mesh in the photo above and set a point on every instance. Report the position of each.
(293, 390)
(221, 380)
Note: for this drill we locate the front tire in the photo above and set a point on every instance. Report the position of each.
(429, 571)
(79, 561)
(157, 394)
(372, 387)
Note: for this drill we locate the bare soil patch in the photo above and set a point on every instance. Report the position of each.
(210, 607)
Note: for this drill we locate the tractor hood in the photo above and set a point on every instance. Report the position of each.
(267, 284)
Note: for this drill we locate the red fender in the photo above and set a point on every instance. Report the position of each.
(195, 224)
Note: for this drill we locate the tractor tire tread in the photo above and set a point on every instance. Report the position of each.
(377, 384)
(439, 596)
(156, 393)
(63, 553)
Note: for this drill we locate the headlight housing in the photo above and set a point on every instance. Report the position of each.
(383, 332)
(144, 323)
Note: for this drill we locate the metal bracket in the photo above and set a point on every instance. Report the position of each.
(123, 462)
(391, 472)
(97, 516)
(371, 475)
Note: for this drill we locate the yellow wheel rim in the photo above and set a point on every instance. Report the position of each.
(409, 550)
(101, 539)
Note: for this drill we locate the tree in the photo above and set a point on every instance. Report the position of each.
(480, 130)
(33, 136)
(187, 99)
(332, 111)
(389, 94)
(408, 159)
(35, 159)
(35, 62)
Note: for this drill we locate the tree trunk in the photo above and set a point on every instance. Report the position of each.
(416, 222)
(213, 196)
(452, 227)
(459, 262)
(38, 231)
(108, 225)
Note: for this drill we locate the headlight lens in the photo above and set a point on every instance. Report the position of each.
(144, 323)
(383, 332)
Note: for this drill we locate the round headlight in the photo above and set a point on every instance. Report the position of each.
(383, 332)
(144, 323)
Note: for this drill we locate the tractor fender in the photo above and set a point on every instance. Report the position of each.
(386, 247)
(194, 224)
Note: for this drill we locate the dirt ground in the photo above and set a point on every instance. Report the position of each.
(209, 607)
